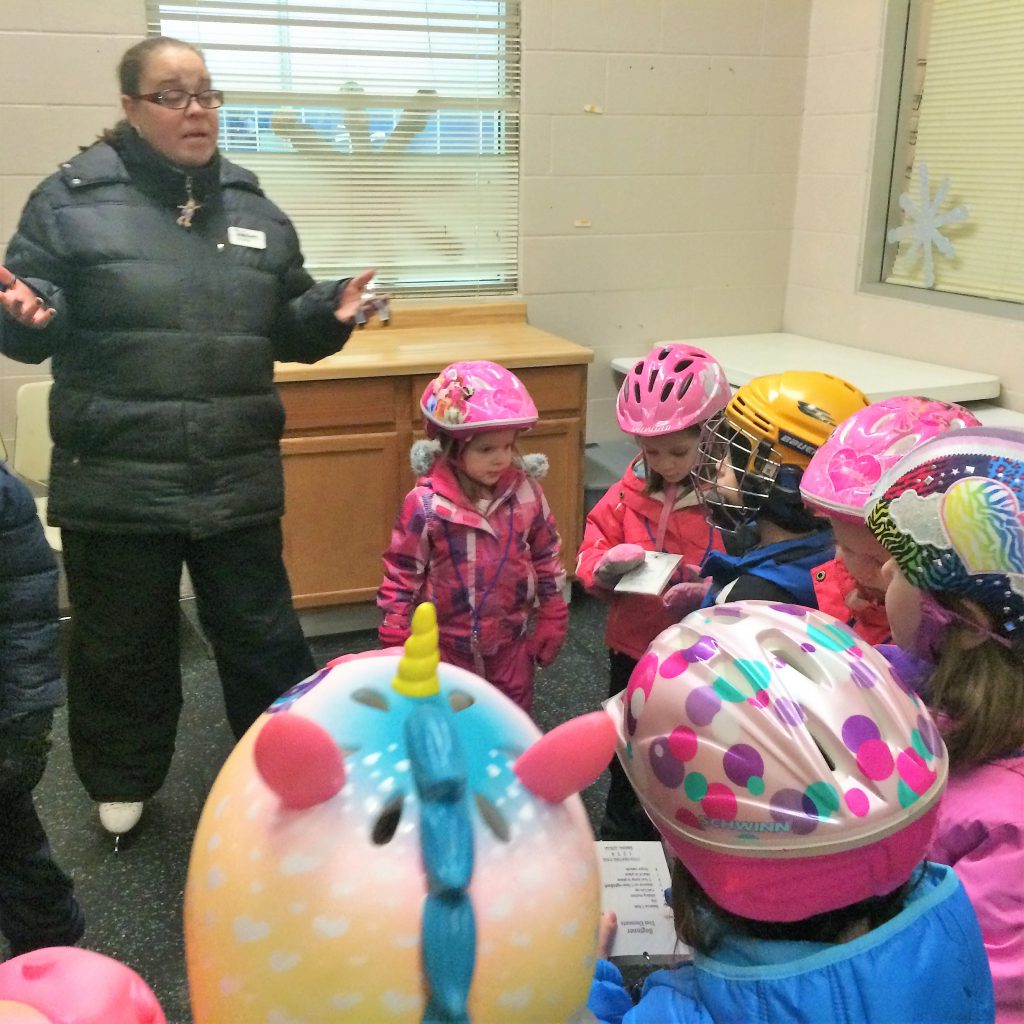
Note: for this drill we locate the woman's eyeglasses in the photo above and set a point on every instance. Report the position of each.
(179, 99)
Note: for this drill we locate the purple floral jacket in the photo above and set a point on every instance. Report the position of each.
(484, 570)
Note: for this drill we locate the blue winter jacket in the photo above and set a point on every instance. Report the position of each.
(774, 572)
(926, 965)
(29, 665)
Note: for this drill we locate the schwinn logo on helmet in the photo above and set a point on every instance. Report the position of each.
(797, 443)
(744, 826)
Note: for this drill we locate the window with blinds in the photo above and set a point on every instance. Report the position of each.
(962, 119)
(388, 132)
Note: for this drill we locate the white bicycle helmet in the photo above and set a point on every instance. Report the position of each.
(781, 758)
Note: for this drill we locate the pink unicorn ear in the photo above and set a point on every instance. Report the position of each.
(298, 760)
(569, 758)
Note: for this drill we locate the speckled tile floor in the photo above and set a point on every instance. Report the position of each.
(133, 900)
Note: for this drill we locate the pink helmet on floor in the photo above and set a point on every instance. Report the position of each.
(673, 387)
(468, 397)
(781, 759)
(839, 479)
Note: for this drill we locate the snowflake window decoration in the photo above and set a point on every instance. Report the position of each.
(923, 223)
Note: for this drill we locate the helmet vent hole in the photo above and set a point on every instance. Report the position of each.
(825, 754)
(684, 385)
(652, 379)
(459, 701)
(683, 364)
(636, 391)
(781, 648)
(385, 827)
(666, 391)
(371, 698)
(493, 818)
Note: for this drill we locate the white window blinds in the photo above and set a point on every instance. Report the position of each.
(967, 125)
(388, 132)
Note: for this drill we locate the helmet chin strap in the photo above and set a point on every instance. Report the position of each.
(666, 511)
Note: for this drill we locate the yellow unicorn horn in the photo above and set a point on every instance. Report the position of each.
(417, 671)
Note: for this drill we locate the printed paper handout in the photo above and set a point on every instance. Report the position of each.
(634, 877)
(651, 576)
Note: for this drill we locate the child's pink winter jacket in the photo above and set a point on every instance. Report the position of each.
(483, 570)
(625, 515)
(980, 834)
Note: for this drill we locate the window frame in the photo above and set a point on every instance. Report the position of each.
(479, 277)
(884, 186)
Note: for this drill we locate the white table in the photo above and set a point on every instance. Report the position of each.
(745, 356)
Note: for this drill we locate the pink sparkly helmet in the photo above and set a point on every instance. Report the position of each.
(781, 759)
(673, 387)
(839, 479)
(466, 398)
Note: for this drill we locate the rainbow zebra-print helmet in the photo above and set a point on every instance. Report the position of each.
(951, 514)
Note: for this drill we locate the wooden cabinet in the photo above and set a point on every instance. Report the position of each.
(351, 419)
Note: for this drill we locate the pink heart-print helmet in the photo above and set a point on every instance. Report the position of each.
(841, 474)
(781, 759)
(469, 397)
(951, 514)
(394, 840)
(673, 387)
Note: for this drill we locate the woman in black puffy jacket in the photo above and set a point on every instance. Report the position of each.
(163, 284)
(37, 906)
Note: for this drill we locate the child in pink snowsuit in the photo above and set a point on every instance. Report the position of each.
(950, 515)
(475, 535)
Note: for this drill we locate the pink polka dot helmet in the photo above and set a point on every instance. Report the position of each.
(841, 474)
(781, 759)
(466, 398)
(673, 387)
(394, 840)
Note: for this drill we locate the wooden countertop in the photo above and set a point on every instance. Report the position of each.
(422, 339)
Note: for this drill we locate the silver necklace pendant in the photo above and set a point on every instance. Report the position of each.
(188, 208)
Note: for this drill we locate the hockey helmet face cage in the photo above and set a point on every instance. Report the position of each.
(781, 758)
(951, 512)
(674, 387)
(781, 420)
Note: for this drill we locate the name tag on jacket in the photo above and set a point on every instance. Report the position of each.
(249, 237)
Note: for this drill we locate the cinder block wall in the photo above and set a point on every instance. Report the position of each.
(58, 91)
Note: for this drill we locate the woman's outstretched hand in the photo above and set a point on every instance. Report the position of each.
(355, 304)
(22, 304)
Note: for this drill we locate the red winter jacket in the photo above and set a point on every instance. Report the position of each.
(484, 571)
(625, 515)
(832, 584)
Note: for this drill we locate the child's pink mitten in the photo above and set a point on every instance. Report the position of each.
(683, 598)
(616, 562)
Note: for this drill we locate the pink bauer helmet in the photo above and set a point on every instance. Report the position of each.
(781, 759)
(673, 387)
(469, 397)
(839, 479)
